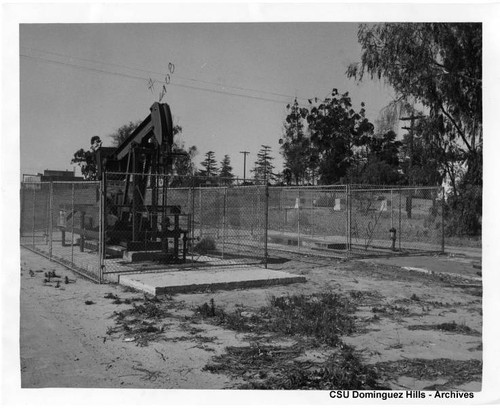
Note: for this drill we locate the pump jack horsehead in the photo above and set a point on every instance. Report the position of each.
(135, 179)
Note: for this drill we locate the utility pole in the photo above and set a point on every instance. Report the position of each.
(244, 164)
(412, 119)
(409, 199)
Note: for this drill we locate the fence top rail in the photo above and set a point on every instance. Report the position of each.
(406, 188)
(30, 183)
(356, 187)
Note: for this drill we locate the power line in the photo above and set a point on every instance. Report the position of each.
(160, 73)
(107, 71)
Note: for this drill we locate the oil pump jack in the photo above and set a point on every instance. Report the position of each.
(140, 165)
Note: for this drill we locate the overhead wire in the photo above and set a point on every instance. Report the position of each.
(161, 74)
(132, 76)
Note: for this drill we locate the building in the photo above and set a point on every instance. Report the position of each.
(52, 175)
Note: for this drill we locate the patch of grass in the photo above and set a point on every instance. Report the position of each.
(453, 327)
(389, 310)
(251, 360)
(364, 298)
(232, 320)
(457, 371)
(141, 323)
(149, 310)
(267, 367)
(322, 316)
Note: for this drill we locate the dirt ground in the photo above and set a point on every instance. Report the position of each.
(417, 330)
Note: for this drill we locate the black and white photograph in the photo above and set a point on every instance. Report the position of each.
(228, 198)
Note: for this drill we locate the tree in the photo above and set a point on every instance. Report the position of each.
(209, 164)
(438, 65)
(226, 170)
(85, 159)
(377, 161)
(336, 129)
(183, 163)
(263, 166)
(296, 146)
(123, 132)
(423, 161)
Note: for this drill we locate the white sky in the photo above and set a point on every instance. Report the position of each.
(228, 91)
(50, 110)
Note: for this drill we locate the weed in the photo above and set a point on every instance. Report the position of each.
(389, 310)
(268, 367)
(449, 327)
(111, 330)
(457, 371)
(149, 309)
(256, 357)
(205, 245)
(206, 310)
(323, 316)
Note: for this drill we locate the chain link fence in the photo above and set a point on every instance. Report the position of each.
(155, 220)
(133, 222)
(352, 220)
(61, 220)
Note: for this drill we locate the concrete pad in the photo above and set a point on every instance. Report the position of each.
(138, 256)
(182, 281)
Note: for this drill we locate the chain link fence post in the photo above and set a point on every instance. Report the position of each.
(297, 205)
(200, 216)
(348, 218)
(192, 219)
(392, 214)
(442, 220)
(266, 223)
(72, 222)
(224, 221)
(50, 221)
(33, 217)
(400, 215)
(102, 227)
(311, 224)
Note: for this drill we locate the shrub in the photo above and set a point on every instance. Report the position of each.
(206, 244)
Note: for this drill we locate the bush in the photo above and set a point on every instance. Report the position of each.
(463, 212)
(205, 245)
